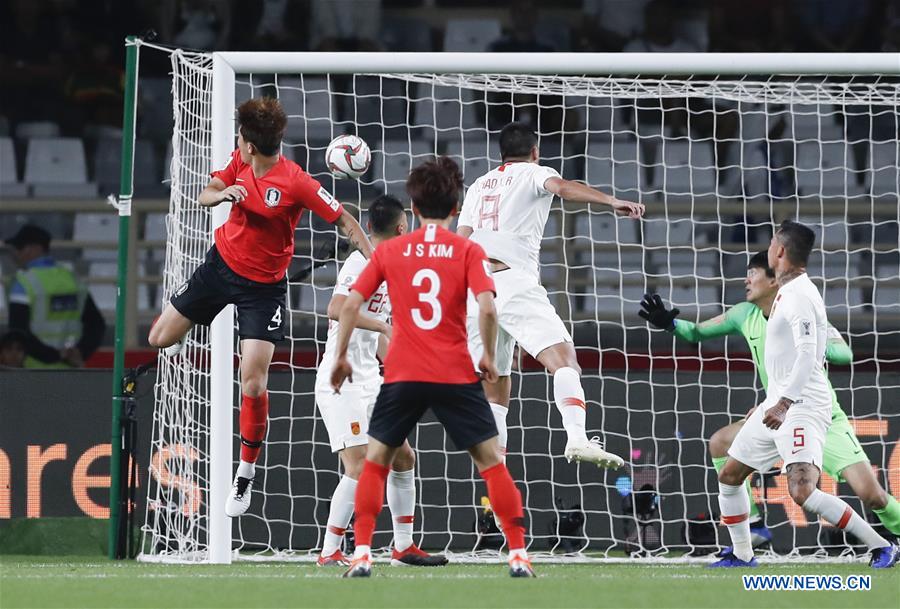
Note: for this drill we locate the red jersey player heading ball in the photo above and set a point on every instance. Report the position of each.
(428, 274)
(247, 265)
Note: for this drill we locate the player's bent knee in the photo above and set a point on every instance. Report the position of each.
(800, 492)
(254, 385)
(405, 459)
(874, 498)
(730, 475)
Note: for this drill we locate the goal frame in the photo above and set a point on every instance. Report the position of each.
(226, 65)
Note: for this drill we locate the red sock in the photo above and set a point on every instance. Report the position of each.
(369, 499)
(254, 412)
(506, 501)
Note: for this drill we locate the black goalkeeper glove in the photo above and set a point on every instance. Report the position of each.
(655, 312)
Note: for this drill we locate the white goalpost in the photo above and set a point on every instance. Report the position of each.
(719, 147)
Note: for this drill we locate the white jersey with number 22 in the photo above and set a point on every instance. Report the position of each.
(507, 208)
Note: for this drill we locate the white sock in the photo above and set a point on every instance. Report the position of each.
(520, 553)
(500, 413)
(362, 551)
(837, 512)
(339, 515)
(735, 507)
(569, 397)
(401, 500)
(246, 469)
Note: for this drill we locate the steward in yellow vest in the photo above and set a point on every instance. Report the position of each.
(54, 312)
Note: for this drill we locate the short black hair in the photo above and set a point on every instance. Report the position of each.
(516, 141)
(760, 260)
(434, 187)
(798, 241)
(262, 122)
(384, 214)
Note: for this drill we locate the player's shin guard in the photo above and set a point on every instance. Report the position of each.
(254, 412)
(569, 397)
(841, 515)
(369, 499)
(718, 464)
(401, 499)
(339, 515)
(735, 507)
(500, 413)
(889, 515)
(506, 501)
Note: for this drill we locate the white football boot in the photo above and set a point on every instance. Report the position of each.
(591, 451)
(239, 499)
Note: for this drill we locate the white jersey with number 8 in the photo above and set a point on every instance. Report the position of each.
(507, 208)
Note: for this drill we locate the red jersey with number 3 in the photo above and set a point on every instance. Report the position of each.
(428, 274)
(257, 240)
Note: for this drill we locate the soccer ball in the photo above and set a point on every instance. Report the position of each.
(348, 156)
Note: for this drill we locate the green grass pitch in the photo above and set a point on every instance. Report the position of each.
(27, 581)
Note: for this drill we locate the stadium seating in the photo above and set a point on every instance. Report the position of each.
(468, 35)
(37, 129)
(97, 227)
(56, 168)
(393, 162)
(10, 187)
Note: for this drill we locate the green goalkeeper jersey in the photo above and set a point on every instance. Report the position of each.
(748, 320)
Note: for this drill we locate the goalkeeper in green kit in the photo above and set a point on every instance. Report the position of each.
(844, 458)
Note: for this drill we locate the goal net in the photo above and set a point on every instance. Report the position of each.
(718, 161)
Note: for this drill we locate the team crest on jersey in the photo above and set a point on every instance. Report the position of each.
(354, 428)
(805, 325)
(273, 197)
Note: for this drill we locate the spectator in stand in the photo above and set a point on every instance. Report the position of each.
(196, 24)
(521, 36)
(545, 114)
(891, 33)
(610, 24)
(738, 26)
(53, 311)
(660, 32)
(94, 89)
(838, 27)
(707, 118)
(12, 350)
(345, 25)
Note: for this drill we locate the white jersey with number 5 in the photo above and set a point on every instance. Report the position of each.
(797, 318)
(363, 348)
(507, 208)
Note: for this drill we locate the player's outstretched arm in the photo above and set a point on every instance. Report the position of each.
(354, 232)
(576, 191)
(347, 320)
(837, 351)
(363, 321)
(487, 326)
(656, 313)
(217, 191)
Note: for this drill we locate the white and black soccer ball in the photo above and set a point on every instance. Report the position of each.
(348, 156)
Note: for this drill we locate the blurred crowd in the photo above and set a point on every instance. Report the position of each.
(62, 60)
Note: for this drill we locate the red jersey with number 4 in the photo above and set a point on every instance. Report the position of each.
(257, 240)
(428, 274)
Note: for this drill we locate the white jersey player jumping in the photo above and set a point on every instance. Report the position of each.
(792, 421)
(505, 212)
(346, 415)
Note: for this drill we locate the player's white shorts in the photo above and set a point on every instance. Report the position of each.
(800, 439)
(347, 414)
(525, 315)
